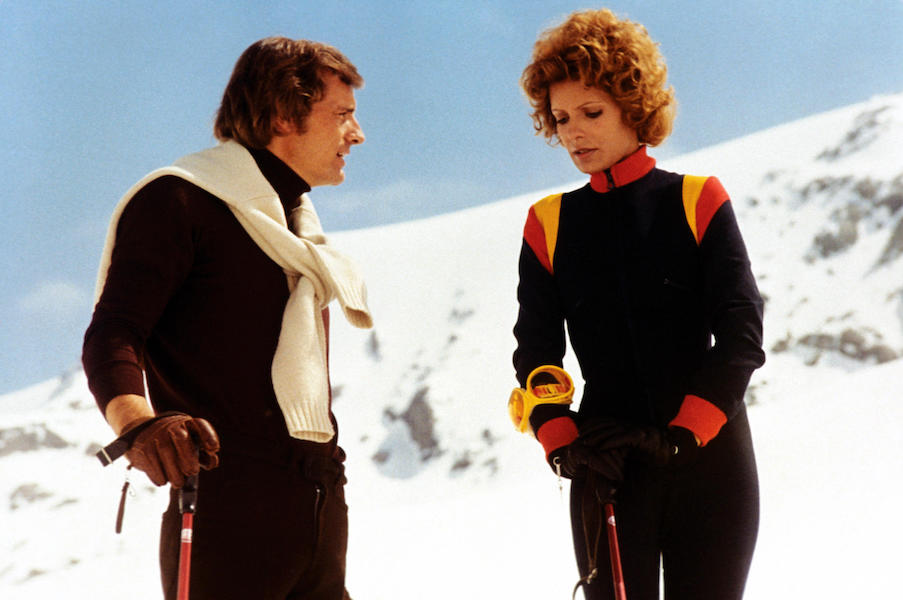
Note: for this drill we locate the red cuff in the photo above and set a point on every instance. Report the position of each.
(556, 433)
(701, 417)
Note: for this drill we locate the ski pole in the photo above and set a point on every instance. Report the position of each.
(617, 575)
(188, 497)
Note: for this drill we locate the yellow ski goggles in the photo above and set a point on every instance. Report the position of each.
(560, 390)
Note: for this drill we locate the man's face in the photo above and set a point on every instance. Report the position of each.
(317, 155)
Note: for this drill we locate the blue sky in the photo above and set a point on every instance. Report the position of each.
(95, 94)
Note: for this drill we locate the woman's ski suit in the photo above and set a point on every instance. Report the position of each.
(649, 272)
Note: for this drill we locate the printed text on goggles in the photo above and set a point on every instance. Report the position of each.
(553, 386)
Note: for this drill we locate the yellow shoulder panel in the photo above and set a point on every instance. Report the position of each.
(547, 211)
(692, 188)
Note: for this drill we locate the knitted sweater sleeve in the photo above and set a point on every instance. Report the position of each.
(151, 257)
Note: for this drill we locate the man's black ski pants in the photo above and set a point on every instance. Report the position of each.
(263, 530)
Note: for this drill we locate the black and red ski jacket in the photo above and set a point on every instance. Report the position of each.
(650, 274)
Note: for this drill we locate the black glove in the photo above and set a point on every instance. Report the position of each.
(683, 446)
(661, 447)
(577, 458)
(542, 414)
(174, 446)
(586, 453)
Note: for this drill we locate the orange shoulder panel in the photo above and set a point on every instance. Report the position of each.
(702, 197)
(541, 229)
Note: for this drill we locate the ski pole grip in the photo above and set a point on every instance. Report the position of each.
(188, 495)
(121, 445)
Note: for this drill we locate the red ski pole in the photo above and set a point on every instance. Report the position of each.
(188, 497)
(614, 552)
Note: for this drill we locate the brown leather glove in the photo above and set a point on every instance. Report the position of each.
(172, 447)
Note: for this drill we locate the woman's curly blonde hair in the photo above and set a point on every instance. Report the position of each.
(614, 55)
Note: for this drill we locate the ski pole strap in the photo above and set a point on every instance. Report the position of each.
(592, 531)
(120, 513)
(121, 445)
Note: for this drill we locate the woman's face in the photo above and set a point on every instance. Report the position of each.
(589, 125)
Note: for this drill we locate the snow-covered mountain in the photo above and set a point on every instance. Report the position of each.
(446, 499)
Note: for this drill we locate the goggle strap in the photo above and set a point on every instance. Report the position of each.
(550, 389)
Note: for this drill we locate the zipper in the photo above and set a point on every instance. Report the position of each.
(610, 178)
(319, 493)
(557, 462)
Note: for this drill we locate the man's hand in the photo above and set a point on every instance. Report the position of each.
(173, 447)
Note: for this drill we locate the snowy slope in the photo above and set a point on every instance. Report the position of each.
(446, 500)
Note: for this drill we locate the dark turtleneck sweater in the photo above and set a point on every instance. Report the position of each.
(193, 304)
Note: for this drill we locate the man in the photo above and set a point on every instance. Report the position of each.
(213, 288)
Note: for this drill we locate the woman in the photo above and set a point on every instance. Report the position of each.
(645, 267)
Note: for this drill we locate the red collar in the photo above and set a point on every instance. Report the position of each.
(626, 171)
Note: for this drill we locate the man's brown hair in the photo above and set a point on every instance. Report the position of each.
(614, 55)
(277, 77)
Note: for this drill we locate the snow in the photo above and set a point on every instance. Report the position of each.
(446, 499)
